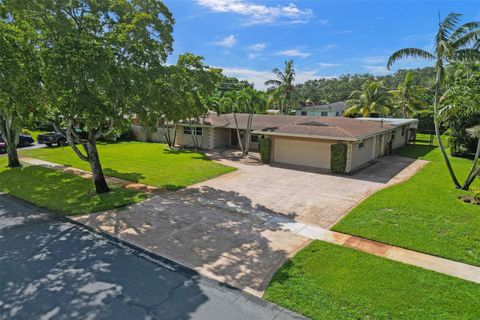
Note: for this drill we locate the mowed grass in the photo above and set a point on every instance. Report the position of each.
(149, 163)
(61, 192)
(326, 281)
(423, 213)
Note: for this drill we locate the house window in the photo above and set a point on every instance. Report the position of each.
(337, 113)
(254, 138)
(361, 145)
(303, 113)
(393, 136)
(403, 131)
(324, 113)
(198, 131)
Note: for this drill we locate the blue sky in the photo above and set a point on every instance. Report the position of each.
(248, 38)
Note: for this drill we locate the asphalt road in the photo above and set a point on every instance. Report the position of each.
(52, 269)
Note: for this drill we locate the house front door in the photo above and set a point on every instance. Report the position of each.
(233, 138)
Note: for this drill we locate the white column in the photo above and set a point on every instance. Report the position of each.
(349, 157)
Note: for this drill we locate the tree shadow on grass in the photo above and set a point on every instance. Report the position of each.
(129, 176)
(415, 151)
(62, 192)
(195, 154)
(219, 233)
(53, 269)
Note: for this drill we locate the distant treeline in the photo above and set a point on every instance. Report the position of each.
(323, 91)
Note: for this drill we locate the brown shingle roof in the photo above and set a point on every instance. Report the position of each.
(326, 127)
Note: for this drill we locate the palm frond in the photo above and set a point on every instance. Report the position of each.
(469, 54)
(449, 23)
(464, 29)
(469, 38)
(408, 52)
(350, 111)
(273, 83)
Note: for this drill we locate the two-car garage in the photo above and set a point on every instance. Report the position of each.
(302, 152)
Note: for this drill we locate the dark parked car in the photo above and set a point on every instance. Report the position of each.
(52, 138)
(24, 140)
(3, 147)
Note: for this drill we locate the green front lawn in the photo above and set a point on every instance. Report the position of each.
(61, 192)
(149, 163)
(423, 213)
(326, 281)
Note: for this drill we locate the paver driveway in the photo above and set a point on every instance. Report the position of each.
(232, 228)
(309, 197)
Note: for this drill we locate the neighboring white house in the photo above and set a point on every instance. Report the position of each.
(325, 110)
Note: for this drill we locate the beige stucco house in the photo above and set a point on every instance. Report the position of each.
(304, 140)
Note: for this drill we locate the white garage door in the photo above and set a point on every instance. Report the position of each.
(302, 152)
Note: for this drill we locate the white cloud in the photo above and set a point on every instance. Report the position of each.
(377, 65)
(293, 53)
(257, 47)
(227, 42)
(258, 78)
(259, 13)
(256, 50)
(377, 70)
(328, 47)
(328, 65)
(373, 60)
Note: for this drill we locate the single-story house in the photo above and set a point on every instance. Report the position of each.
(304, 140)
(324, 110)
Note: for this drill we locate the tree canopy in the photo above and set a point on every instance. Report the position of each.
(97, 58)
(20, 82)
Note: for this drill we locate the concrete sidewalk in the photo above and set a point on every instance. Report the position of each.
(88, 175)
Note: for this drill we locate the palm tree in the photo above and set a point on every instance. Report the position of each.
(251, 101)
(230, 102)
(452, 43)
(282, 88)
(408, 97)
(373, 98)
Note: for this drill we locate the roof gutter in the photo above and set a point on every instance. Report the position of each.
(270, 133)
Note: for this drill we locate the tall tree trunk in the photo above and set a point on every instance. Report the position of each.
(240, 144)
(167, 134)
(97, 171)
(174, 135)
(474, 170)
(13, 161)
(10, 137)
(437, 131)
(248, 134)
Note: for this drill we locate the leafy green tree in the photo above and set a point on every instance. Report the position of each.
(452, 43)
(460, 109)
(20, 82)
(197, 84)
(97, 57)
(282, 89)
(373, 98)
(408, 97)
